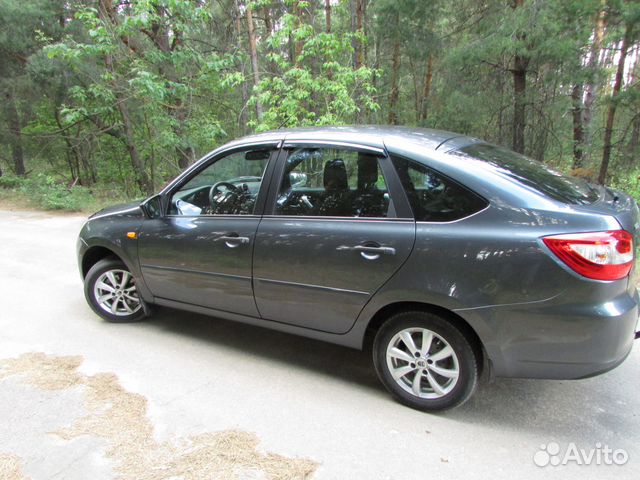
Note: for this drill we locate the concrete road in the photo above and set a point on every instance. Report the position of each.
(181, 377)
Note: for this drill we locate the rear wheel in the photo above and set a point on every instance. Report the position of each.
(425, 361)
(111, 291)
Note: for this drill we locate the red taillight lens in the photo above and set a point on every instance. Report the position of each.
(596, 255)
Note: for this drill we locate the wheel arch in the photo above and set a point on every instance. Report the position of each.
(384, 313)
(96, 253)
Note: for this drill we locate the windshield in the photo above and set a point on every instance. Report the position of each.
(533, 174)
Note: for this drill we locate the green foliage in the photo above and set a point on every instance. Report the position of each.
(629, 182)
(49, 193)
(44, 192)
(11, 181)
(128, 98)
(319, 87)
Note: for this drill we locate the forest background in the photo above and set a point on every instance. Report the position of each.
(105, 100)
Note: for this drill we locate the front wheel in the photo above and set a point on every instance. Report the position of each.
(111, 291)
(425, 361)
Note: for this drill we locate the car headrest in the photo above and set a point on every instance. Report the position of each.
(335, 175)
(367, 171)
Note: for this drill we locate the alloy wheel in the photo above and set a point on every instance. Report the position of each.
(116, 293)
(422, 363)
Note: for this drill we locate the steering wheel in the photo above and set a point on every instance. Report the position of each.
(215, 190)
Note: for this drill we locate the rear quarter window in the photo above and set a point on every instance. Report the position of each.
(532, 174)
(434, 197)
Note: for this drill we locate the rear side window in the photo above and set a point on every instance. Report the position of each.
(434, 197)
(532, 174)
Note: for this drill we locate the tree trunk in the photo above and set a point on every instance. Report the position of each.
(327, 15)
(354, 27)
(417, 90)
(106, 12)
(186, 153)
(359, 53)
(243, 119)
(519, 98)
(268, 24)
(143, 180)
(426, 90)
(159, 34)
(365, 31)
(373, 117)
(591, 88)
(72, 161)
(253, 52)
(395, 73)
(611, 113)
(578, 130)
(632, 147)
(297, 44)
(519, 72)
(15, 134)
(502, 108)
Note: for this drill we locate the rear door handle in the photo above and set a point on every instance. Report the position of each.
(369, 252)
(233, 240)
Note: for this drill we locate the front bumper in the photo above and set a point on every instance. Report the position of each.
(81, 248)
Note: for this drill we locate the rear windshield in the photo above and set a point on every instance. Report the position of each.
(533, 174)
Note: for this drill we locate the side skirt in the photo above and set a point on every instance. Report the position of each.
(346, 340)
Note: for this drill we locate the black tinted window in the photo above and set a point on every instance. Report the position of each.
(332, 182)
(533, 174)
(229, 186)
(433, 197)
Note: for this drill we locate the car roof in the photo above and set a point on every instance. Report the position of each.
(369, 135)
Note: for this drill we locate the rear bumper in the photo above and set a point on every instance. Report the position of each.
(563, 340)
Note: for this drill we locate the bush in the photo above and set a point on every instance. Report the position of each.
(47, 193)
(629, 183)
(10, 181)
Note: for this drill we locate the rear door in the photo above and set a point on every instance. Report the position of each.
(337, 227)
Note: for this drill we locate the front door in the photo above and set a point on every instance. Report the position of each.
(200, 253)
(333, 238)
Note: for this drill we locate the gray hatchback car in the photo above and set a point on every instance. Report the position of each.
(447, 255)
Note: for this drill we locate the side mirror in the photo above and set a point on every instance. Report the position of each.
(152, 206)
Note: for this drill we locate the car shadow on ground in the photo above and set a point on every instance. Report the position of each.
(576, 410)
(346, 364)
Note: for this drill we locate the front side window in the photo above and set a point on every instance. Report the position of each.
(332, 182)
(229, 186)
(434, 197)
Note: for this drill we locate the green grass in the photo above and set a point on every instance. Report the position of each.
(44, 192)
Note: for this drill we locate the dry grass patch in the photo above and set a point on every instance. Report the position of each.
(11, 467)
(120, 417)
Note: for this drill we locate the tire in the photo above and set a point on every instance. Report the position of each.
(105, 278)
(455, 374)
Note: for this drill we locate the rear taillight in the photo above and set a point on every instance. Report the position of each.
(596, 255)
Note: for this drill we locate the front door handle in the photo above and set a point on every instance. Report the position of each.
(369, 251)
(372, 249)
(233, 240)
